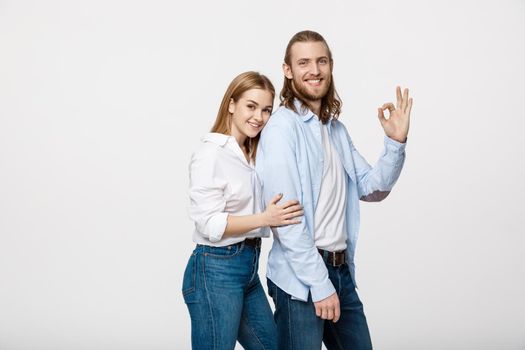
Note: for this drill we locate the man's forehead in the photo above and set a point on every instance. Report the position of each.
(308, 49)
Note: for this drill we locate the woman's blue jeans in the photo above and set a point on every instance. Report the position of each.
(225, 299)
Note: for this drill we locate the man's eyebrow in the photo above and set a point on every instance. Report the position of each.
(309, 59)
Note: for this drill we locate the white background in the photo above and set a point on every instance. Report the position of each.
(102, 103)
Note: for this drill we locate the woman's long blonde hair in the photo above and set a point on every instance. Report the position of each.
(239, 85)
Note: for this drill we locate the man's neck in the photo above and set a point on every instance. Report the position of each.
(315, 106)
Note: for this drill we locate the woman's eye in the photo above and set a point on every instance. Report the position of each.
(251, 107)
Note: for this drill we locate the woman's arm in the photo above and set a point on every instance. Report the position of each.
(274, 215)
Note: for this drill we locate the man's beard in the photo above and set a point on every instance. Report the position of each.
(302, 91)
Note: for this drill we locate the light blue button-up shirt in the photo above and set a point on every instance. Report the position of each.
(290, 161)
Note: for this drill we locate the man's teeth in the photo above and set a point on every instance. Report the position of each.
(314, 80)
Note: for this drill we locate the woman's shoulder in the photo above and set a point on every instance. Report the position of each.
(211, 146)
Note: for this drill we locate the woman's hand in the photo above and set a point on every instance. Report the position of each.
(282, 214)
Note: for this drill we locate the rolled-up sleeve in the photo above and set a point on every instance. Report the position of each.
(207, 195)
(375, 183)
(277, 166)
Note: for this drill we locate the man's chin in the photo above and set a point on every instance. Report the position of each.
(313, 94)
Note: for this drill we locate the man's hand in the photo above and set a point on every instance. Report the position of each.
(328, 308)
(396, 126)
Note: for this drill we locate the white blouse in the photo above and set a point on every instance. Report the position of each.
(222, 182)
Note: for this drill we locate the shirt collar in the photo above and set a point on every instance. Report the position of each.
(307, 114)
(303, 110)
(228, 142)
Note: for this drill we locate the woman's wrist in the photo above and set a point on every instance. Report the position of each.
(262, 220)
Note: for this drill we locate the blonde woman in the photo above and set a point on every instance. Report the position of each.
(221, 285)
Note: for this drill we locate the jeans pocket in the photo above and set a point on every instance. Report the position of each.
(190, 276)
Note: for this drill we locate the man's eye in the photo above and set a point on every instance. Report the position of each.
(323, 61)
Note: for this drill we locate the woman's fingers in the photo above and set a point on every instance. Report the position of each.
(276, 199)
(293, 214)
(292, 208)
(290, 222)
(289, 204)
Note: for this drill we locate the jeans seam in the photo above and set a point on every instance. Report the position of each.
(288, 306)
(254, 266)
(193, 276)
(209, 304)
(252, 330)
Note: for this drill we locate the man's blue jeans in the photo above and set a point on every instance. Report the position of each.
(298, 327)
(226, 300)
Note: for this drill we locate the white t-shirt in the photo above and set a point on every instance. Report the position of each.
(329, 216)
(222, 182)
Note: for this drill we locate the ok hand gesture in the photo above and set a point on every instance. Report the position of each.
(397, 124)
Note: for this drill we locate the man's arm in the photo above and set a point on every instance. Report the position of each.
(375, 183)
(277, 166)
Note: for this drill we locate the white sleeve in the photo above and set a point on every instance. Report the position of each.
(207, 200)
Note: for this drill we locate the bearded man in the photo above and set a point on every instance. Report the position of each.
(306, 153)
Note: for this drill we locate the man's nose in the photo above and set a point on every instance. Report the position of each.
(314, 68)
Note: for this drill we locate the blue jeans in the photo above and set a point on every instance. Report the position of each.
(298, 327)
(226, 300)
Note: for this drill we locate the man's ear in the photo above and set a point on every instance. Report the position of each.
(287, 70)
(231, 106)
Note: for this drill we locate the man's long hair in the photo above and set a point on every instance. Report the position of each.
(239, 85)
(331, 103)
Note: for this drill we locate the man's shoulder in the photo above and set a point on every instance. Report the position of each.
(339, 127)
(284, 117)
(336, 123)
